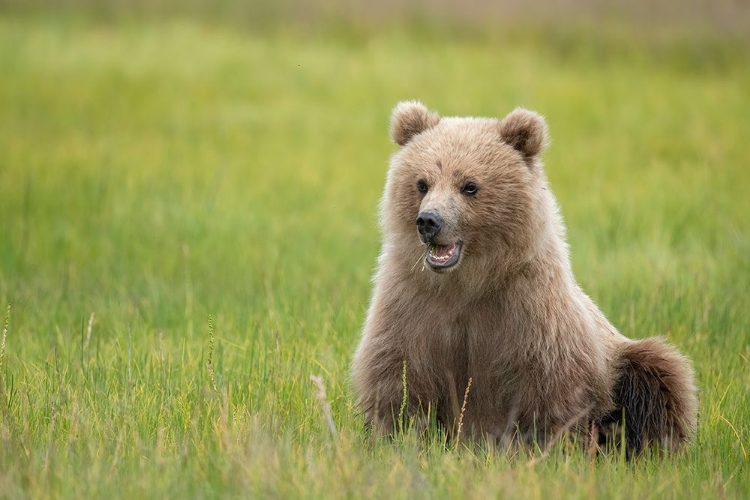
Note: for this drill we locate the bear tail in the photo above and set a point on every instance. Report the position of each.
(655, 395)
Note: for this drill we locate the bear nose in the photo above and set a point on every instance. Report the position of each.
(429, 225)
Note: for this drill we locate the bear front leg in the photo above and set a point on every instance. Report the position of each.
(387, 397)
(399, 366)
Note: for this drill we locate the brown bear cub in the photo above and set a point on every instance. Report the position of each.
(474, 283)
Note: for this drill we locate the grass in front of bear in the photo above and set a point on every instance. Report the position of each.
(157, 175)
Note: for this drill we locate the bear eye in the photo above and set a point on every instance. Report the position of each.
(422, 186)
(470, 189)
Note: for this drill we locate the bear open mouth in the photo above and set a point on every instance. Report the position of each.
(442, 256)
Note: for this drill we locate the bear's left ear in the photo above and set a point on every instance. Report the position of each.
(525, 131)
(410, 118)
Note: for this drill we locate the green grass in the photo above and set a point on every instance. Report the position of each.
(168, 175)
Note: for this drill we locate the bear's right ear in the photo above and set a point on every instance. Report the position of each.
(410, 118)
(525, 131)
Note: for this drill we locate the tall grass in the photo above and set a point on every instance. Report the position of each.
(188, 221)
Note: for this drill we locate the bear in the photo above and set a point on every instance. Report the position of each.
(476, 319)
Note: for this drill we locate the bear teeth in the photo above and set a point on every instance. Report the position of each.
(442, 255)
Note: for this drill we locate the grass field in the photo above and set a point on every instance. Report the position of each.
(188, 230)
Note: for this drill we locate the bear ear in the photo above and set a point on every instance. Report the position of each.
(410, 118)
(525, 131)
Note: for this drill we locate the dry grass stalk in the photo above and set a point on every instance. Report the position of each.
(6, 325)
(463, 410)
(210, 362)
(130, 357)
(162, 357)
(188, 290)
(89, 330)
(404, 400)
(325, 405)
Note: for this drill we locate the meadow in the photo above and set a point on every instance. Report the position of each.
(188, 227)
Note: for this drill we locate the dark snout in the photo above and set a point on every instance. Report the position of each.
(429, 225)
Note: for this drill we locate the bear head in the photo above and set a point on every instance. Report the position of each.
(466, 191)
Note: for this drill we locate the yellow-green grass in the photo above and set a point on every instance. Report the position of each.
(161, 174)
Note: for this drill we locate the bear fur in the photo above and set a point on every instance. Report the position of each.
(474, 283)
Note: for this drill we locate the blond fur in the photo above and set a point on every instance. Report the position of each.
(510, 315)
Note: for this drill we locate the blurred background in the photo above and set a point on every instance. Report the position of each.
(479, 17)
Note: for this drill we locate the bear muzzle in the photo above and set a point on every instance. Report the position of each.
(438, 256)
